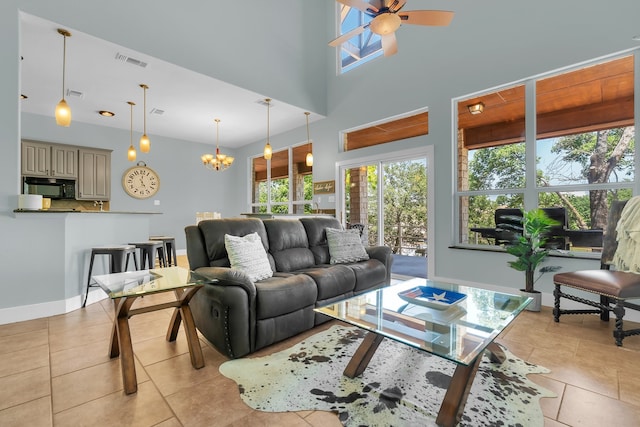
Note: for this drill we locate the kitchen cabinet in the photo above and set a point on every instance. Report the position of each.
(50, 160)
(94, 174)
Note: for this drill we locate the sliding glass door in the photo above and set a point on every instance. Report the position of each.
(389, 197)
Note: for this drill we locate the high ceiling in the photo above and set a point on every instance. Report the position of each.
(104, 76)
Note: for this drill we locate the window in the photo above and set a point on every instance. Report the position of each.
(360, 48)
(563, 142)
(283, 184)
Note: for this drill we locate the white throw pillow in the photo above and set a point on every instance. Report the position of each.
(345, 246)
(248, 255)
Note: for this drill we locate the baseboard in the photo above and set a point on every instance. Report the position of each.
(46, 309)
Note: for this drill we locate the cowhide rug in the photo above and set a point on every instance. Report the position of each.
(400, 387)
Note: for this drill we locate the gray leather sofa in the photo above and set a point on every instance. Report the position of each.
(239, 316)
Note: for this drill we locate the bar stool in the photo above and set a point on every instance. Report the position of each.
(148, 252)
(169, 248)
(117, 255)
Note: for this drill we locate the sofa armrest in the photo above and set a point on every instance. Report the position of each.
(229, 277)
(382, 254)
(225, 311)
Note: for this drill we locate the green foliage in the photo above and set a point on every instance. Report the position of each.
(529, 250)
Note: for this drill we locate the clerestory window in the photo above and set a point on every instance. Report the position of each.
(360, 48)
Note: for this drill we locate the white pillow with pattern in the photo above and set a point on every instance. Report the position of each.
(345, 246)
(248, 255)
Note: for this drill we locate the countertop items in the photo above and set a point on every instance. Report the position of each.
(54, 210)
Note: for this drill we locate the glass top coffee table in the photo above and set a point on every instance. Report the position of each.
(453, 322)
(125, 288)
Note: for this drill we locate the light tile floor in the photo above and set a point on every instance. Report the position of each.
(56, 371)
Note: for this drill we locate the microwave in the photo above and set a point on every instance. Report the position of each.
(53, 188)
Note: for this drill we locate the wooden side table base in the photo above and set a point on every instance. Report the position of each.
(121, 335)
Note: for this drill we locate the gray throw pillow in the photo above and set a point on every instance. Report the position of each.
(248, 255)
(345, 246)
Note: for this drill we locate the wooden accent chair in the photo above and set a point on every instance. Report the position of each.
(614, 288)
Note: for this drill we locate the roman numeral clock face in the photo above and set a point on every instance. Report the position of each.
(140, 182)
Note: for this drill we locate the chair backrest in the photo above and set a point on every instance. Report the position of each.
(609, 239)
(508, 225)
(555, 239)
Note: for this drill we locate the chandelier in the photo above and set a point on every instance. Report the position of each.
(219, 161)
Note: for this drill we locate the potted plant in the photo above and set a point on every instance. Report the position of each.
(530, 251)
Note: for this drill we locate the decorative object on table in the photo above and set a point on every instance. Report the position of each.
(308, 376)
(388, 18)
(140, 181)
(530, 251)
(145, 144)
(219, 161)
(431, 297)
(268, 151)
(63, 112)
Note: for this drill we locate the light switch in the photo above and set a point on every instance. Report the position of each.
(156, 202)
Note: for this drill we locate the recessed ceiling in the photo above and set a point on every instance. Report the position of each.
(181, 104)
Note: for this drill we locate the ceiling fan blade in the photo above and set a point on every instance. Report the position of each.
(389, 44)
(360, 5)
(439, 18)
(346, 36)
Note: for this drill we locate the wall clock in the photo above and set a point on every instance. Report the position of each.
(140, 181)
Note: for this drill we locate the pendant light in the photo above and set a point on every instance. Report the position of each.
(268, 151)
(309, 159)
(219, 161)
(131, 153)
(145, 144)
(63, 112)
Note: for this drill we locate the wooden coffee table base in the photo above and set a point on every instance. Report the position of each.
(456, 396)
(121, 333)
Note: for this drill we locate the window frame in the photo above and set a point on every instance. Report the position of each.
(291, 202)
(531, 191)
(367, 49)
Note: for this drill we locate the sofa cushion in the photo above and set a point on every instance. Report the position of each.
(332, 280)
(288, 245)
(369, 274)
(277, 296)
(248, 255)
(345, 246)
(213, 231)
(317, 236)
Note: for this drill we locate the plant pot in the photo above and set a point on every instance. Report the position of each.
(536, 296)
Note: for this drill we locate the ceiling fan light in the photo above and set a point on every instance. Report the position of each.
(309, 159)
(385, 23)
(63, 113)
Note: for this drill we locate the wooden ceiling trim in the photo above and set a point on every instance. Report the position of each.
(381, 133)
(604, 115)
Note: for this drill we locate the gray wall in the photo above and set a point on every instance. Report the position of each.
(284, 55)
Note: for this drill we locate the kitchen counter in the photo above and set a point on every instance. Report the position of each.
(49, 211)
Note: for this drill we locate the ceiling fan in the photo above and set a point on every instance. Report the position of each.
(387, 18)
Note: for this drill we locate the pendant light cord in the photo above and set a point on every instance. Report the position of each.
(64, 60)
